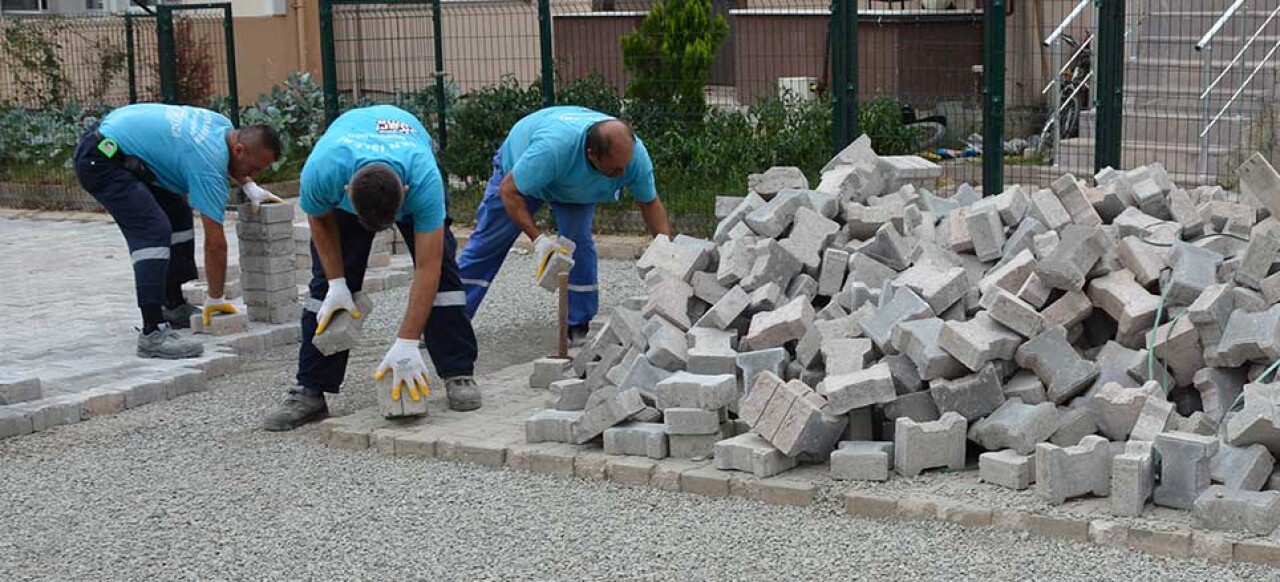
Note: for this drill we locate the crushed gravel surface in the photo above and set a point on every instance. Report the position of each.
(192, 489)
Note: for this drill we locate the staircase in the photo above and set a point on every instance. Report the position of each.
(1164, 76)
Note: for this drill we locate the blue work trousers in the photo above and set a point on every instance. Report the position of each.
(448, 334)
(495, 233)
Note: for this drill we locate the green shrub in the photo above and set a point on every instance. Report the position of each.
(481, 120)
(592, 92)
(881, 119)
(669, 61)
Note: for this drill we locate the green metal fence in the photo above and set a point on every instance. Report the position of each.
(59, 74)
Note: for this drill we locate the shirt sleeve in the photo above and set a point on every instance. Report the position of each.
(427, 199)
(642, 185)
(208, 193)
(314, 192)
(536, 168)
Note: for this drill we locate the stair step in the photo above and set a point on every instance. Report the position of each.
(1177, 159)
(1168, 22)
(1187, 98)
(1152, 126)
(1180, 72)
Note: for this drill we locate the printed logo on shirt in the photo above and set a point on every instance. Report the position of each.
(393, 126)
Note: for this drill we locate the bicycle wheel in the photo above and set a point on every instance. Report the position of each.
(931, 132)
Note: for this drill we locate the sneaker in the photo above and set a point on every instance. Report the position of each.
(165, 343)
(462, 392)
(180, 317)
(298, 409)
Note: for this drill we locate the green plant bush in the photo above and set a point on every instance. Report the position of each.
(881, 120)
(669, 61)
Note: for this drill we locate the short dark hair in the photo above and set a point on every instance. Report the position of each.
(262, 136)
(596, 141)
(376, 193)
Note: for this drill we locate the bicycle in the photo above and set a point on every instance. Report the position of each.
(932, 129)
(1074, 90)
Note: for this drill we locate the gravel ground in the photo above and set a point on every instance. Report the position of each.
(191, 489)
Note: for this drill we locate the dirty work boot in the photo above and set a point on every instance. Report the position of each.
(578, 335)
(462, 392)
(165, 343)
(180, 317)
(298, 408)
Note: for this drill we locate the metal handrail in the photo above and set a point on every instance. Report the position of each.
(1075, 13)
(1217, 26)
(1064, 68)
(1240, 54)
(1243, 85)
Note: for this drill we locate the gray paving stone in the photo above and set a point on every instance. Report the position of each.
(691, 421)
(1008, 469)
(905, 306)
(835, 262)
(16, 388)
(1066, 472)
(1026, 387)
(919, 340)
(1132, 479)
(1250, 336)
(1219, 388)
(615, 410)
(1127, 302)
(1072, 258)
(1070, 191)
(706, 392)
(1211, 311)
(569, 394)
(1064, 373)
(972, 397)
(773, 264)
(1013, 313)
(776, 328)
(811, 234)
(750, 453)
(770, 220)
(862, 461)
(1016, 426)
(1184, 472)
(1048, 209)
(1242, 468)
(1075, 424)
(986, 230)
(1256, 423)
(777, 179)
(859, 389)
(938, 288)
(710, 351)
(1222, 508)
(1194, 270)
(918, 446)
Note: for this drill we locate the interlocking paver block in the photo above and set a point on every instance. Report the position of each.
(940, 288)
(1211, 311)
(1011, 274)
(668, 345)
(1244, 468)
(891, 248)
(686, 390)
(834, 264)
(1128, 303)
(551, 426)
(1194, 270)
(1250, 336)
(569, 394)
(775, 216)
(973, 396)
(1016, 426)
(641, 439)
(1132, 478)
(736, 259)
(15, 388)
(1026, 387)
(986, 231)
(777, 179)
(775, 328)
(1013, 313)
(1007, 468)
(1222, 508)
(925, 445)
(726, 310)
(1116, 409)
(1064, 373)
(1072, 258)
(711, 352)
(905, 306)
(1184, 467)
(862, 461)
(845, 355)
(668, 298)
(1145, 261)
(1177, 344)
(1066, 472)
(1156, 417)
(1219, 388)
(810, 235)
(919, 340)
(1048, 209)
(1070, 192)
(1257, 261)
(750, 453)
(611, 412)
(859, 389)
(773, 264)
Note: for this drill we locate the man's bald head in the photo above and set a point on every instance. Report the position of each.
(610, 144)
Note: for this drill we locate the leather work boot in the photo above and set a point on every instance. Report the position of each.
(180, 317)
(298, 409)
(462, 393)
(165, 343)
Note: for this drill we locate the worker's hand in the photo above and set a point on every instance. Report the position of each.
(214, 305)
(543, 248)
(338, 297)
(257, 195)
(404, 361)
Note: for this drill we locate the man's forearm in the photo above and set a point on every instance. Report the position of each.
(655, 217)
(517, 210)
(215, 258)
(324, 233)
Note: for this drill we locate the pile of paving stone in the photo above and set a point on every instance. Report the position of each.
(1102, 337)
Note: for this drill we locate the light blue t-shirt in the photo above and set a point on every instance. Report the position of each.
(546, 155)
(381, 133)
(185, 147)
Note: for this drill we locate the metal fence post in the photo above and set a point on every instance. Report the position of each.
(167, 48)
(1110, 132)
(131, 58)
(993, 42)
(441, 100)
(328, 66)
(844, 72)
(548, 58)
(233, 90)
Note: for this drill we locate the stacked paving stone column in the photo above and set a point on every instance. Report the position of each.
(267, 263)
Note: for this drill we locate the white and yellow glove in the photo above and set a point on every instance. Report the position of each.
(257, 195)
(338, 297)
(404, 361)
(214, 305)
(543, 248)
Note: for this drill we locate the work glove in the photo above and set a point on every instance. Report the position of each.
(543, 248)
(257, 195)
(404, 361)
(338, 297)
(214, 305)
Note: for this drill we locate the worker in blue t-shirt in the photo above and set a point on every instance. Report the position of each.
(138, 162)
(373, 168)
(572, 158)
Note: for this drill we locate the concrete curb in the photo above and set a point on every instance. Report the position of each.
(492, 438)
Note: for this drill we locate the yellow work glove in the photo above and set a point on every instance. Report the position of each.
(408, 370)
(543, 248)
(214, 305)
(338, 297)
